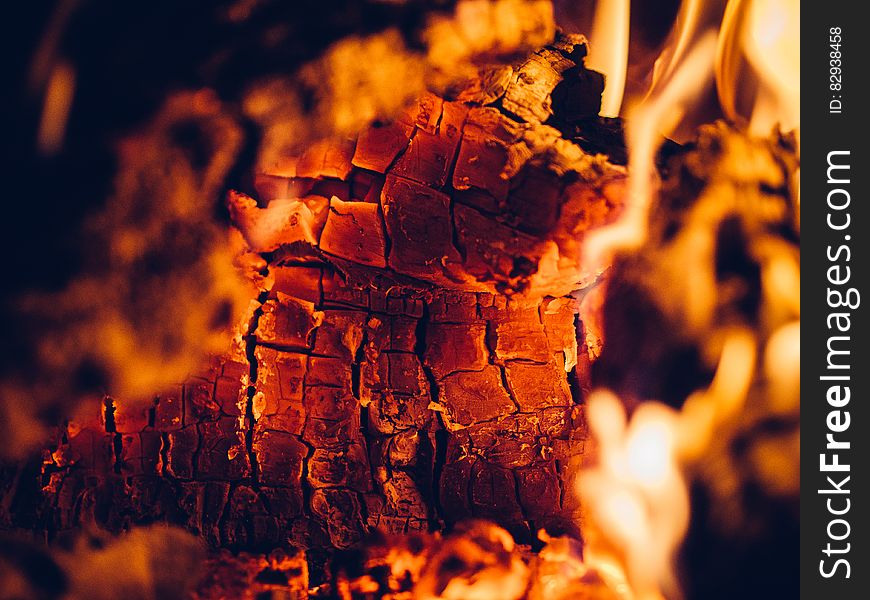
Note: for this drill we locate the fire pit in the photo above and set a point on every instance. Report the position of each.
(454, 329)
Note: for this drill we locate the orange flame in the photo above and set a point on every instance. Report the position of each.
(646, 125)
(694, 20)
(755, 55)
(760, 43)
(635, 497)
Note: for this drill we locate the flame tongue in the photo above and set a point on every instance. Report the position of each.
(609, 54)
(636, 496)
(756, 61)
(646, 126)
(758, 64)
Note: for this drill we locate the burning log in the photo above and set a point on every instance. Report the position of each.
(412, 360)
(409, 361)
(130, 178)
(245, 576)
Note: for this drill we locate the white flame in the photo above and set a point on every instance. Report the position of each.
(649, 453)
(636, 496)
(609, 51)
(773, 48)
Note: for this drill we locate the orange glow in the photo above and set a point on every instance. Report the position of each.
(635, 497)
(694, 20)
(333, 242)
(646, 125)
(55, 111)
(782, 364)
(705, 411)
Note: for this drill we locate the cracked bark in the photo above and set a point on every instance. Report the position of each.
(412, 360)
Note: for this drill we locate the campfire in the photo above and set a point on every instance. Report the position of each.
(494, 300)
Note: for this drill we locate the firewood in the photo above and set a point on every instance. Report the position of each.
(412, 358)
(126, 211)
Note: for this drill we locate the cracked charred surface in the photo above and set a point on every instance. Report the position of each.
(412, 358)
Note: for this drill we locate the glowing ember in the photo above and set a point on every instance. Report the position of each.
(406, 321)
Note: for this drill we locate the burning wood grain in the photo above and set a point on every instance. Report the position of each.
(414, 293)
